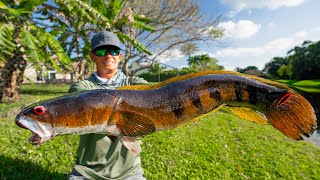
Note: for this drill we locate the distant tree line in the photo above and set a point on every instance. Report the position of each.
(302, 62)
(244, 70)
(158, 72)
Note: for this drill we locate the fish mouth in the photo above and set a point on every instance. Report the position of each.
(41, 132)
(35, 139)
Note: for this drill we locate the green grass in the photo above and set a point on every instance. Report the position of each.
(308, 83)
(218, 146)
(312, 86)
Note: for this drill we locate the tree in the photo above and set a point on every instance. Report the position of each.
(189, 49)
(32, 32)
(301, 62)
(175, 22)
(285, 72)
(156, 68)
(305, 60)
(77, 21)
(272, 67)
(203, 62)
(23, 42)
(242, 70)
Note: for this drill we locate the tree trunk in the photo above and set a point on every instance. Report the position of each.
(80, 70)
(12, 78)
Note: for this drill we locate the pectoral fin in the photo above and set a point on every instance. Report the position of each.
(134, 124)
(133, 144)
(248, 114)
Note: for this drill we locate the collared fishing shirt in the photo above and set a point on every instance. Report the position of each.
(98, 156)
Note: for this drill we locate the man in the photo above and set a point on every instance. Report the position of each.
(100, 156)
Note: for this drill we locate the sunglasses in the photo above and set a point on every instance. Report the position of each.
(103, 52)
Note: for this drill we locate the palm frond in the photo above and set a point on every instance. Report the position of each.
(7, 46)
(3, 5)
(56, 48)
(87, 11)
(100, 6)
(114, 7)
(141, 18)
(142, 25)
(140, 47)
(31, 49)
(28, 6)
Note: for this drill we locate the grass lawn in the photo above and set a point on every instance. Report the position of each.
(312, 86)
(218, 146)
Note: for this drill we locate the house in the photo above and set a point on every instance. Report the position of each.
(47, 75)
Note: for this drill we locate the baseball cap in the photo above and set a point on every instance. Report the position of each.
(105, 38)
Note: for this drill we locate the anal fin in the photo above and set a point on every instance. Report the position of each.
(248, 114)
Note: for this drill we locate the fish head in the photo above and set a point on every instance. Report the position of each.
(71, 114)
(36, 118)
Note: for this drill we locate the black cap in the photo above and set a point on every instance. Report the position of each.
(105, 38)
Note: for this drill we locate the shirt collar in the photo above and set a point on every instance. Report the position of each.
(116, 79)
(105, 80)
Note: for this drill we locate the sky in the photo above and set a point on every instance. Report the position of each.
(256, 31)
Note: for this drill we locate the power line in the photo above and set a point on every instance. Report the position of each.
(152, 60)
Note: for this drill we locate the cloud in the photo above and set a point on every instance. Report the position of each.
(240, 30)
(270, 24)
(242, 57)
(239, 5)
(257, 55)
(273, 47)
(170, 55)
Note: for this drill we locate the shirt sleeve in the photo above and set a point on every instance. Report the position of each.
(78, 87)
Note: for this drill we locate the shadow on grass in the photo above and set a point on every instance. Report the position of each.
(19, 169)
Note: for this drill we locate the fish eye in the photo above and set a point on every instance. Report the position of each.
(38, 110)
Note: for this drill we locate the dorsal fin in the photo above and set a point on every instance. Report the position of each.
(202, 73)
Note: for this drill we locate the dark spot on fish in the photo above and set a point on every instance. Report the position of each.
(238, 91)
(252, 95)
(193, 93)
(196, 102)
(215, 94)
(176, 107)
(178, 112)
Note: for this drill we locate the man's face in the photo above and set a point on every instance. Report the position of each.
(106, 58)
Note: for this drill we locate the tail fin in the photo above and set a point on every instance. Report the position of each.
(293, 116)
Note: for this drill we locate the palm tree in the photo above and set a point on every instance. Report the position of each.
(203, 62)
(189, 49)
(33, 37)
(79, 19)
(23, 42)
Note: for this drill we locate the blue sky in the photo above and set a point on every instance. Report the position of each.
(256, 30)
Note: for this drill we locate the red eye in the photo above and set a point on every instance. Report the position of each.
(39, 110)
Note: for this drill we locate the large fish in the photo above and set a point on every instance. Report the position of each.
(134, 111)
